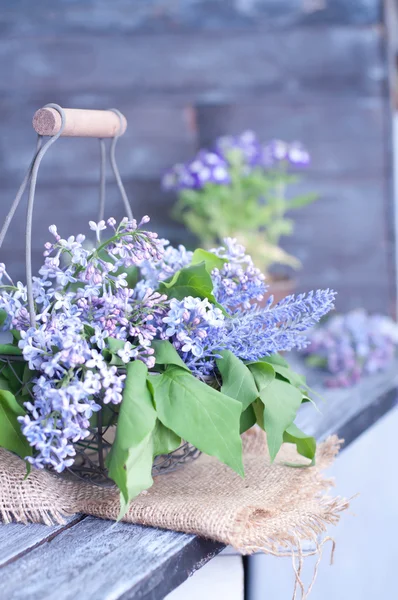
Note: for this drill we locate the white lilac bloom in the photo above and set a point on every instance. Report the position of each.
(279, 151)
(127, 352)
(191, 324)
(97, 227)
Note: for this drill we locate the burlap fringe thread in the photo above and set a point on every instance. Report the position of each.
(274, 509)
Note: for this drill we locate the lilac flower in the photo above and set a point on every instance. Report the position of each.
(239, 282)
(153, 272)
(353, 345)
(190, 323)
(279, 151)
(56, 418)
(97, 227)
(3, 273)
(246, 145)
(127, 352)
(72, 328)
(206, 167)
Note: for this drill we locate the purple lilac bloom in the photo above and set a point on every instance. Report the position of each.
(239, 282)
(153, 272)
(73, 325)
(206, 167)
(214, 166)
(56, 418)
(190, 325)
(353, 345)
(246, 144)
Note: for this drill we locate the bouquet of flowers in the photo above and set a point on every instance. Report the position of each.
(241, 189)
(172, 341)
(352, 345)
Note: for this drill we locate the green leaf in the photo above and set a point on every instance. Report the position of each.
(10, 350)
(305, 444)
(16, 336)
(11, 436)
(166, 354)
(303, 200)
(247, 419)
(275, 359)
(281, 402)
(3, 316)
(191, 281)
(132, 277)
(283, 371)
(4, 384)
(316, 361)
(111, 352)
(136, 473)
(164, 439)
(211, 260)
(200, 415)
(115, 345)
(237, 380)
(299, 382)
(291, 376)
(89, 331)
(258, 409)
(130, 460)
(13, 372)
(263, 373)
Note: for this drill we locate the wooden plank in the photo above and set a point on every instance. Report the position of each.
(107, 560)
(157, 136)
(17, 539)
(334, 244)
(343, 136)
(22, 17)
(309, 62)
(347, 411)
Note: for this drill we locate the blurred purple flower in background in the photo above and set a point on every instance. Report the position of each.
(352, 345)
(214, 166)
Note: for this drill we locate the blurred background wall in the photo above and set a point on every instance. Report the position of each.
(186, 71)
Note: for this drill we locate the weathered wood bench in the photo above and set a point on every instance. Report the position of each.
(100, 560)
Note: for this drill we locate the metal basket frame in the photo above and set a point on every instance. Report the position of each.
(91, 453)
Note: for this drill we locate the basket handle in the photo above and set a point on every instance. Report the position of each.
(79, 122)
(52, 120)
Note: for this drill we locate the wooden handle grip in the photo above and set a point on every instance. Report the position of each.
(79, 123)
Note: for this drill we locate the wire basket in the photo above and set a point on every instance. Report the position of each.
(92, 452)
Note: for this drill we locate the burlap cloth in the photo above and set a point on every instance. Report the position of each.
(272, 508)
